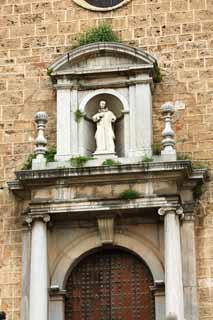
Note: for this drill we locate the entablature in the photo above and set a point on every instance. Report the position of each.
(82, 193)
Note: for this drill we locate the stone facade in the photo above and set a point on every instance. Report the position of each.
(179, 34)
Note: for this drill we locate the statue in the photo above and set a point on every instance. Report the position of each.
(104, 135)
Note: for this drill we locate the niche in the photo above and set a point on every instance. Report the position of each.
(92, 107)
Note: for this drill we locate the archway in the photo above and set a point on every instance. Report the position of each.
(110, 284)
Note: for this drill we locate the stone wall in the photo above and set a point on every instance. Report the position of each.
(34, 33)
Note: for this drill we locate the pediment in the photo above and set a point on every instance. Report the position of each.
(100, 58)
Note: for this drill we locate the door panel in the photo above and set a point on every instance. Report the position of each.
(110, 285)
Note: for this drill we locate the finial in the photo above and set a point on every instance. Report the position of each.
(41, 141)
(168, 142)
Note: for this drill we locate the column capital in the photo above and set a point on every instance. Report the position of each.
(163, 211)
(29, 219)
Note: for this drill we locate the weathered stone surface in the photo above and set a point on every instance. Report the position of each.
(178, 34)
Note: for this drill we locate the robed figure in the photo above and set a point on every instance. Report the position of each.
(104, 135)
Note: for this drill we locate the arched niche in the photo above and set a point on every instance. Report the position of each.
(88, 127)
(114, 69)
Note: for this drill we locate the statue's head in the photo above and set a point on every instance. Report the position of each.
(102, 104)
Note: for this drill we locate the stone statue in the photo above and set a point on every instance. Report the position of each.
(104, 135)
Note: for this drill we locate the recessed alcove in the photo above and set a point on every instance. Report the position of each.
(89, 126)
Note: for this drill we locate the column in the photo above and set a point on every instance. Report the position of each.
(173, 263)
(39, 270)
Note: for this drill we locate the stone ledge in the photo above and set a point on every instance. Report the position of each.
(151, 167)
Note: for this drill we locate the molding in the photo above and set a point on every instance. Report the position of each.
(98, 206)
(113, 84)
(129, 69)
(82, 52)
(106, 229)
(152, 167)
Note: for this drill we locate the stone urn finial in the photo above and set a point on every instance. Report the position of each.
(168, 142)
(40, 141)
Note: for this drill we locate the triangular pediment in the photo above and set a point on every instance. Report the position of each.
(102, 57)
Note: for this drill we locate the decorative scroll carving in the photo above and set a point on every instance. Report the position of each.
(106, 229)
(168, 210)
(29, 219)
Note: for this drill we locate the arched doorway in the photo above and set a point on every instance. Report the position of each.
(110, 285)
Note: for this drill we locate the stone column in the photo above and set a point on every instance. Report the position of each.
(173, 263)
(39, 270)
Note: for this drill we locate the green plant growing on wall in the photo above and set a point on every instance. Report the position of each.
(199, 165)
(49, 71)
(197, 191)
(111, 162)
(156, 149)
(183, 156)
(78, 115)
(157, 73)
(80, 161)
(147, 159)
(102, 33)
(28, 163)
(129, 194)
(49, 156)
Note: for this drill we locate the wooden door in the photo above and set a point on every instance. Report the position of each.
(110, 285)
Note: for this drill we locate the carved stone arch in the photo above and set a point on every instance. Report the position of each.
(98, 92)
(71, 255)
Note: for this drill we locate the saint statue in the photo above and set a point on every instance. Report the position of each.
(104, 135)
